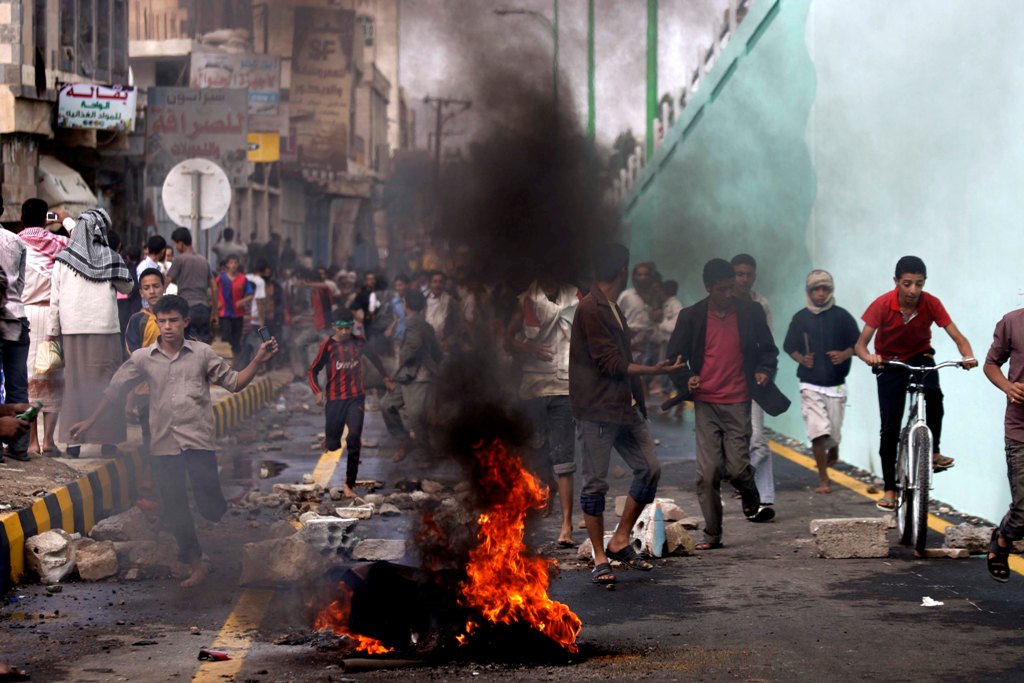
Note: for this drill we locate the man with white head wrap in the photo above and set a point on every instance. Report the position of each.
(820, 339)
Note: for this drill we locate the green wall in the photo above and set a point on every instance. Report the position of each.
(843, 135)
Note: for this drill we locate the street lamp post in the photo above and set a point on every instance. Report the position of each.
(551, 25)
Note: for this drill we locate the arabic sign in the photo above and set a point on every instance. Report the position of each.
(86, 105)
(321, 86)
(182, 123)
(259, 74)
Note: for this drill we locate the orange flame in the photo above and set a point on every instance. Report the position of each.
(334, 617)
(504, 584)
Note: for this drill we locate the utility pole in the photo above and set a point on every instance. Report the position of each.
(440, 104)
(591, 107)
(652, 72)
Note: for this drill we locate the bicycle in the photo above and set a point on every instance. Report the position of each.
(914, 460)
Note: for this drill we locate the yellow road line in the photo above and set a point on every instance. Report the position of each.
(935, 523)
(236, 636)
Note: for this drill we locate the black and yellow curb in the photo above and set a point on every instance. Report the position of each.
(111, 488)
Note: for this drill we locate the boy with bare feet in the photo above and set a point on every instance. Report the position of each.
(820, 339)
(343, 396)
(179, 373)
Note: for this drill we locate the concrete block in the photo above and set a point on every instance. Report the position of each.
(328, 536)
(431, 487)
(130, 525)
(648, 535)
(678, 540)
(51, 555)
(375, 549)
(974, 539)
(852, 537)
(585, 551)
(357, 512)
(97, 561)
(284, 560)
(388, 510)
(691, 523)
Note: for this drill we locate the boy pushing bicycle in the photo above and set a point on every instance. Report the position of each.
(902, 319)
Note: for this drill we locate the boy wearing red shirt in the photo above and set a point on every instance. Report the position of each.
(343, 396)
(903, 320)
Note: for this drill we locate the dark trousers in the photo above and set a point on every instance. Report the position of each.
(554, 433)
(723, 451)
(231, 332)
(199, 323)
(14, 356)
(892, 400)
(174, 473)
(349, 413)
(1012, 526)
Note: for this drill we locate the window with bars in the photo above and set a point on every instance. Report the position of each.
(94, 39)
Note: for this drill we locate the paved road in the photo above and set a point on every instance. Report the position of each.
(764, 608)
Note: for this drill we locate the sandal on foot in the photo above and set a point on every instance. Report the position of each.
(941, 463)
(708, 545)
(999, 565)
(886, 504)
(602, 574)
(628, 556)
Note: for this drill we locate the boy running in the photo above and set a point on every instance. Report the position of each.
(903, 320)
(820, 339)
(343, 394)
(179, 373)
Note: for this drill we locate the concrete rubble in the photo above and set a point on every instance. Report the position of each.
(51, 555)
(974, 539)
(851, 537)
(355, 512)
(130, 525)
(375, 549)
(329, 536)
(648, 534)
(678, 540)
(96, 560)
(279, 560)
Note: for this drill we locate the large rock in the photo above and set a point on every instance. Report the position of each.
(97, 560)
(974, 539)
(374, 549)
(585, 551)
(280, 560)
(51, 555)
(130, 525)
(678, 540)
(853, 537)
(355, 512)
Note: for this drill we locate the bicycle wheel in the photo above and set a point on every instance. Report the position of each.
(904, 492)
(922, 486)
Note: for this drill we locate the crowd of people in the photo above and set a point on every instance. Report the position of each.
(134, 327)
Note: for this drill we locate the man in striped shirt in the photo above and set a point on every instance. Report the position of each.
(343, 395)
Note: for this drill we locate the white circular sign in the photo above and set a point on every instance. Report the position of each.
(178, 193)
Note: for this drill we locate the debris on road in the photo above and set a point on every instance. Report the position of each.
(974, 539)
(851, 537)
(130, 525)
(374, 549)
(951, 553)
(210, 655)
(279, 560)
(194, 630)
(54, 588)
(928, 602)
(97, 560)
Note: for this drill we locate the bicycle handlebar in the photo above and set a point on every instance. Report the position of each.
(924, 368)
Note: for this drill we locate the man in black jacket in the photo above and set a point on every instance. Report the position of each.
(821, 338)
(608, 403)
(731, 360)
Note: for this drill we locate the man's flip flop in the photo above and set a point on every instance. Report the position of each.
(628, 556)
(941, 463)
(707, 545)
(602, 574)
(566, 544)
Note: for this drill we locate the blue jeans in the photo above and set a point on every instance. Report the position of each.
(15, 364)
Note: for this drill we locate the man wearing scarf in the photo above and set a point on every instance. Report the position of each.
(820, 339)
(83, 312)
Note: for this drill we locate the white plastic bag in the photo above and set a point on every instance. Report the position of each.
(49, 358)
